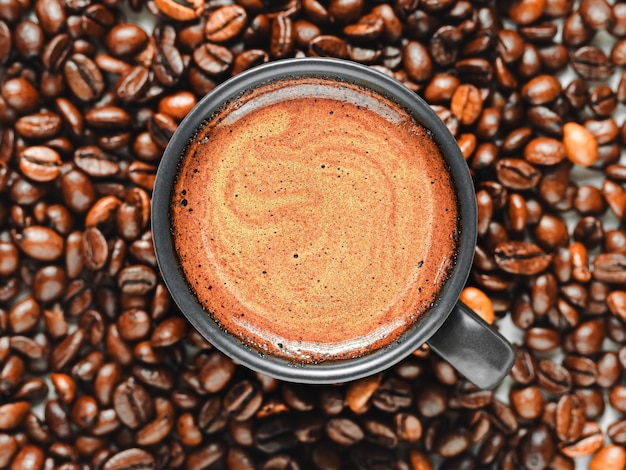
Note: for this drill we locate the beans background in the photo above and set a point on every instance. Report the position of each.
(99, 370)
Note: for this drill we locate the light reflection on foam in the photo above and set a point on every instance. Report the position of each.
(349, 95)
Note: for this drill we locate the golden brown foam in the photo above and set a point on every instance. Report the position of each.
(314, 220)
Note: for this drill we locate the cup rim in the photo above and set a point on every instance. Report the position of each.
(280, 368)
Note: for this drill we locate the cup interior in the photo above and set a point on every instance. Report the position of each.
(326, 372)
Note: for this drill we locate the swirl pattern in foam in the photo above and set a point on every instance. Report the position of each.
(314, 220)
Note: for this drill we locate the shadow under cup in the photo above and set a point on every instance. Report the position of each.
(450, 328)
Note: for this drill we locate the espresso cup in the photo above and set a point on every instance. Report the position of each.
(369, 258)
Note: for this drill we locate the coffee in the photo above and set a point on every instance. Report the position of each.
(313, 219)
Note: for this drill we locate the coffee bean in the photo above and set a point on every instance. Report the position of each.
(589, 442)
(553, 377)
(40, 243)
(344, 431)
(161, 128)
(77, 190)
(20, 95)
(107, 117)
(29, 457)
(169, 332)
(516, 173)
(167, 65)
(542, 339)
(466, 103)
(125, 39)
(205, 456)
(95, 21)
(130, 458)
(51, 16)
(541, 90)
(213, 59)
(71, 116)
(28, 39)
(536, 448)
(5, 42)
(216, 372)
(367, 29)
(83, 77)
(591, 63)
(94, 162)
(181, 11)
(40, 163)
(502, 417)
(225, 23)
(610, 267)
(521, 258)
(583, 370)
(617, 432)
(544, 151)
(133, 404)
(417, 61)
(527, 402)
(13, 414)
(570, 418)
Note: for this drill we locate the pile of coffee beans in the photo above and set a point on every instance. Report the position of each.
(99, 370)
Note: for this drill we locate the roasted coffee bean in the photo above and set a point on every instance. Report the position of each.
(133, 404)
(591, 63)
(527, 402)
(43, 125)
(161, 128)
(517, 174)
(617, 432)
(553, 377)
(213, 59)
(125, 39)
(583, 370)
(328, 46)
(29, 457)
(51, 16)
(544, 151)
(541, 90)
(13, 414)
(107, 117)
(343, 431)
(20, 95)
(276, 434)
(206, 456)
(521, 257)
(130, 458)
(225, 23)
(40, 163)
(216, 372)
(545, 120)
(77, 190)
(83, 77)
(610, 267)
(417, 61)
(589, 442)
(181, 11)
(523, 371)
(536, 448)
(502, 417)
(569, 418)
(466, 104)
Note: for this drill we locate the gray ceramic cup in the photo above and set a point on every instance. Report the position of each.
(450, 328)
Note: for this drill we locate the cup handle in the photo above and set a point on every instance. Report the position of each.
(473, 348)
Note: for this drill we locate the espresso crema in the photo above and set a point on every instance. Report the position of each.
(314, 220)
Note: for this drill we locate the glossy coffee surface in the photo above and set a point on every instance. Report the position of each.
(314, 220)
